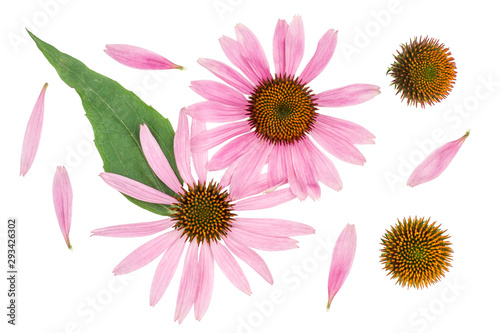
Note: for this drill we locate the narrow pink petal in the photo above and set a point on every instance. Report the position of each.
(189, 283)
(182, 148)
(338, 146)
(226, 178)
(219, 92)
(136, 189)
(277, 165)
(325, 169)
(436, 162)
(206, 285)
(266, 200)
(214, 112)
(351, 131)
(321, 58)
(279, 47)
(233, 51)
(63, 201)
(166, 268)
(260, 185)
(230, 267)
(33, 133)
(227, 74)
(262, 242)
(305, 171)
(342, 258)
(215, 136)
(134, 229)
(272, 227)
(251, 258)
(253, 52)
(137, 57)
(231, 151)
(348, 95)
(294, 45)
(200, 160)
(146, 253)
(298, 188)
(157, 160)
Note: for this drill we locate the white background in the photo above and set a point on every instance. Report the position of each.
(56, 286)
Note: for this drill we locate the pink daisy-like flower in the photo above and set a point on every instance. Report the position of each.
(272, 119)
(204, 220)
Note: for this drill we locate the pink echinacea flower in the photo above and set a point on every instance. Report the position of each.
(204, 221)
(273, 120)
(137, 57)
(62, 195)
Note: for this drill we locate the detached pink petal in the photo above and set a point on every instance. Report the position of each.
(342, 258)
(436, 162)
(33, 133)
(63, 201)
(137, 57)
(348, 95)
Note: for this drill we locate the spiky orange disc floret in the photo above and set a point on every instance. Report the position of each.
(424, 72)
(416, 253)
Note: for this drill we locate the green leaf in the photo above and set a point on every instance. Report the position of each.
(115, 114)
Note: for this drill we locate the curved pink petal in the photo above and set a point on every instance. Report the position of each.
(262, 242)
(436, 162)
(355, 133)
(294, 45)
(33, 133)
(215, 136)
(136, 189)
(226, 178)
(279, 47)
(230, 267)
(157, 160)
(251, 258)
(227, 74)
(206, 284)
(233, 51)
(231, 151)
(200, 160)
(325, 169)
(182, 148)
(338, 146)
(62, 195)
(348, 95)
(189, 283)
(342, 258)
(277, 165)
(214, 112)
(253, 52)
(272, 227)
(321, 58)
(305, 170)
(137, 57)
(166, 268)
(219, 92)
(266, 200)
(146, 253)
(134, 229)
(260, 185)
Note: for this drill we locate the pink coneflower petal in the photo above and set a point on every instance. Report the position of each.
(277, 165)
(251, 258)
(264, 201)
(33, 133)
(230, 267)
(272, 227)
(189, 283)
(182, 148)
(325, 169)
(342, 258)
(206, 285)
(63, 201)
(355, 133)
(227, 74)
(232, 50)
(436, 162)
(136, 189)
(294, 45)
(200, 160)
(348, 95)
(253, 52)
(219, 92)
(298, 188)
(231, 151)
(262, 242)
(146, 253)
(338, 146)
(157, 160)
(137, 57)
(279, 47)
(214, 112)
(166, 268)
(260, 185)
(134, 229)
(304, 171)
(218, 135)
(321, 58)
